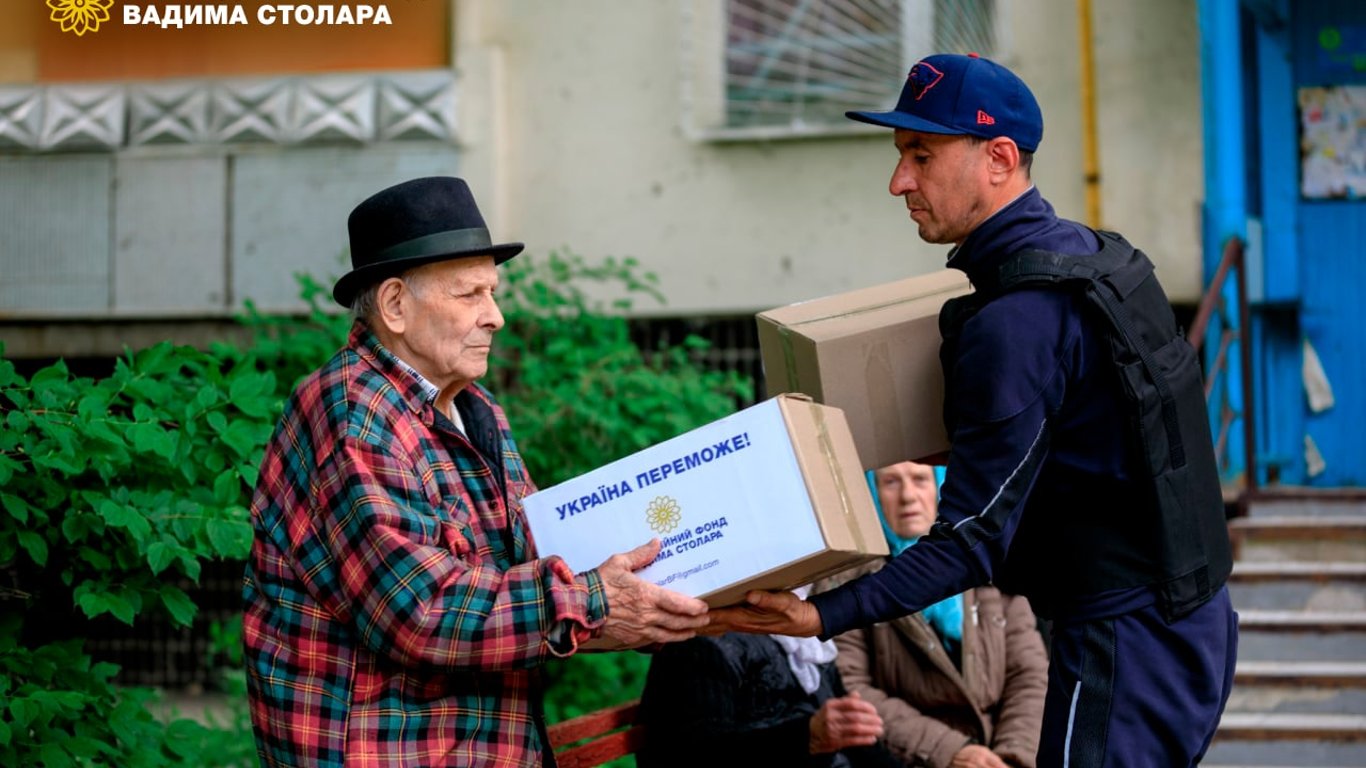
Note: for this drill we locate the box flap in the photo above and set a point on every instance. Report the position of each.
(936, 286)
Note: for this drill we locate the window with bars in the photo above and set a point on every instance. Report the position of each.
(798, 65)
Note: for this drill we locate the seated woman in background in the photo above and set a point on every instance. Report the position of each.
(961, 683)
(752, 700)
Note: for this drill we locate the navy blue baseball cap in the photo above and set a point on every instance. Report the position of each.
(954, 94)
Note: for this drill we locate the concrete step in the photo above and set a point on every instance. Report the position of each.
(1344, 674)
(1336, 538)
(1314, 586)
(1312, 504)
(1299, 687)
(1245, 572)
(1252, 726)
(1316, 636)
(1259, 739)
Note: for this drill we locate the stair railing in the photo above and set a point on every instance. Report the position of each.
(1238, 331)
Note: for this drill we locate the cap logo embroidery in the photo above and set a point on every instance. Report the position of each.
(922, 78)
(985, 119)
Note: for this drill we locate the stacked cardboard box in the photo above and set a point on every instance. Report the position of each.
(874, 354)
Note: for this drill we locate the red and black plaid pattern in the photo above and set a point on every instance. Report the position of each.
(396, 613)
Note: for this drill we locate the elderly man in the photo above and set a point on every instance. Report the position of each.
(1082, 472)
(397, 612)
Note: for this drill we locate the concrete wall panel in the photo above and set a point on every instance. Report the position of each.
(170, 235)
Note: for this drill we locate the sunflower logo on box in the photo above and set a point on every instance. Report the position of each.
(663, 514)
(80, 16)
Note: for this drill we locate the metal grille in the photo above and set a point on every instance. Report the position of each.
(733, 344)
(153, 652)
(801, 63)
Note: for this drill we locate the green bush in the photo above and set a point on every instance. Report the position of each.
(116, 491)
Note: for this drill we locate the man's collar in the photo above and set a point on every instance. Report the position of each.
(967, 241)
(415, 389)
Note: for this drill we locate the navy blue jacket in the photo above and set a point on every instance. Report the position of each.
(1038, 457)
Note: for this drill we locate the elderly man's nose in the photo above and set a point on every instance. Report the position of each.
(493, 316)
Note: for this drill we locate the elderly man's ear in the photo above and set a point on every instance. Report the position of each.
(394, 304)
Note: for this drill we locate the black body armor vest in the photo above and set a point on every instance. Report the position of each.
(1168, 424)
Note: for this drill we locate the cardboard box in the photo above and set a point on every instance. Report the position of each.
(771, 497)
(874, 354)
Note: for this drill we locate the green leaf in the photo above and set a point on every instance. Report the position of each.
(189, 470)
(91, 602)
(86, 748)
(57, 372)
(190, 564)
(230, 538)
(181, 608)
(227, 488)
(207, 396)
(17, 507)
(153, 360)
(125, 728)
(159, 557)
(8, 467)
(54, 756)
(215, 463)
(182, 737)
(97, 559)
(35, 545)
(59, 463)
(217, 421)
(104, 670)
(100, 429)
(250, 474)
(21, 712)
(120, 606)
(128, 518)
(94, 405)
(17, 421)
(248, 392)
(149, 437)
(240, 436)
(4, 734)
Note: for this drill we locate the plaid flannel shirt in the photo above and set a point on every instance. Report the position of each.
(395, 611)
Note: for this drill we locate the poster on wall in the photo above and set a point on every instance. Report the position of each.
(1333, 142)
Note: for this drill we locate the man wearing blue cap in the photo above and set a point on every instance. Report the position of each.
(1081, 473)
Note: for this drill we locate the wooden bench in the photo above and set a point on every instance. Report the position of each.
(606, 735)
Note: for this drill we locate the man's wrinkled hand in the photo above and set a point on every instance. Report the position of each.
(767, 613)
(640, 613)
(848, 721)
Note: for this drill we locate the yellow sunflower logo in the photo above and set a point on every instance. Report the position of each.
(80, 16)
(663, 514)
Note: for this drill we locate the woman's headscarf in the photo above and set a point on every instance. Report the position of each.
(946, 616)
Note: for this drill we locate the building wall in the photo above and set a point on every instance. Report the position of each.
(148, 173)
(591, 149)
(573, 123)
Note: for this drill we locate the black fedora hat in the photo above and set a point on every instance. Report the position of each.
(411, 224)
